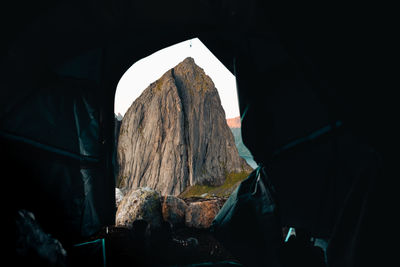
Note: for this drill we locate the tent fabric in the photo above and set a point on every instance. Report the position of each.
(248, 224)
(91, 253)
(62, 122)
(314, 178)
(63, 116)
(359, 219)
(291, 112)
(297, 72)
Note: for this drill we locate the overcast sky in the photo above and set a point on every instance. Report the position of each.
(147, 70)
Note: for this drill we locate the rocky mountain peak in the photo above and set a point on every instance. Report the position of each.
(193, 77)
(175, 135)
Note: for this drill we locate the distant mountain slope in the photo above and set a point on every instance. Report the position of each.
(242, 149)
(234, 122)
(235, 126)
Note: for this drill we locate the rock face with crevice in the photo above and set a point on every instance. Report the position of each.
(175, 135)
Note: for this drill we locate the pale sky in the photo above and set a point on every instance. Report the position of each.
(147, 70)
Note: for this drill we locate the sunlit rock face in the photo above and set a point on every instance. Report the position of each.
(175, 135)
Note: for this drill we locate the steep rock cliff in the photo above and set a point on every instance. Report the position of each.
(175, 135)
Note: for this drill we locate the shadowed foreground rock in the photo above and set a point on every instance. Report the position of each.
(173, 210)
(34, 247)
(175, 135)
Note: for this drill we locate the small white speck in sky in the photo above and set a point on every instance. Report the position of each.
(147, 70)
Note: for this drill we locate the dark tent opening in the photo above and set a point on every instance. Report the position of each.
(313, 93)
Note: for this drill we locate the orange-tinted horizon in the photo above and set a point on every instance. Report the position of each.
(234, 122)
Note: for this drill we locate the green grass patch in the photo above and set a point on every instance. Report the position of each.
(231, 182)
(196, 191)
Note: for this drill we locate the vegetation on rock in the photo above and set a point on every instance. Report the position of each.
(231, 182)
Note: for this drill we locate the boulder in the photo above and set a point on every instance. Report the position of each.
(201, 214)
(34, 247)
(173, 210)
(139, 204)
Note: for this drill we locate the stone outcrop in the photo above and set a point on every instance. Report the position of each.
(175, 135)
(173, 210)
(139, 204)
(201, 214)
(146, 204)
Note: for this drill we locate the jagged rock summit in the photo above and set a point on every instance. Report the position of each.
(175, 135)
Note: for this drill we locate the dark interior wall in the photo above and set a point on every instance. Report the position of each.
(299, 68)
(329, 65)
(60, 67)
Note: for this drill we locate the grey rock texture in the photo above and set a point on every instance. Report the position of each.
(175, 135)
(139, 204)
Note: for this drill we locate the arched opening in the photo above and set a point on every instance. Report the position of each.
(142, 75)
(178, 139)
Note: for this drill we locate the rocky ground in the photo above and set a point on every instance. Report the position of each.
(148, 205)
(143, 244)
(185, 246)
(177, 235)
